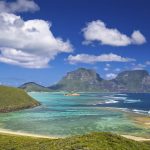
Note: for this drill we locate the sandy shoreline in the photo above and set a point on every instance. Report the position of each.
(8, 132)
(135, 138)
(3, 131)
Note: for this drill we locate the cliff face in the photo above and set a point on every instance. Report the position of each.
(146, 84)
(132, 80)
(88, 80)
(79, 80)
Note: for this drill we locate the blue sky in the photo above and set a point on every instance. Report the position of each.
(41, 41)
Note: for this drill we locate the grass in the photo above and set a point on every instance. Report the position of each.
(12, 99)
(93, 141)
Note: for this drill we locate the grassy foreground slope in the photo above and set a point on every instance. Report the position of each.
(12, 99)
(94, 141)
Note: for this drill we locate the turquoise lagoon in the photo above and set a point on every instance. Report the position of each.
(61, 115)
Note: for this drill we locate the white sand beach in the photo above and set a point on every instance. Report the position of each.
(135, 138)
(3, 131)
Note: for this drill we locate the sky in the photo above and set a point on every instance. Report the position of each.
(42, 40)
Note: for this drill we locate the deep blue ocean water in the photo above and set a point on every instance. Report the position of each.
(61, 115)
(136, 102)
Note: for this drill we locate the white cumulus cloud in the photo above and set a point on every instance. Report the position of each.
(106, 69)
(138, 38)
(108, 65)
(117, 69)
(18, 6)
(91, 59)
(139, 66)
(98, 31)
(22, 59)
(111, 75)
(30, 43)
(147, 63)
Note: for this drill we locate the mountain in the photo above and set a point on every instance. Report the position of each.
(84, 79)
(146, 84)
(133, 81)
(12, 99)
(81, 79)
(34, 87)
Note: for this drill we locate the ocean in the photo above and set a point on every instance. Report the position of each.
(63, 116)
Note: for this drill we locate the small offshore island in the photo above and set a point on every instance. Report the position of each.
(72, 94)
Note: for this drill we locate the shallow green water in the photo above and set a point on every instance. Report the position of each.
(60, 115)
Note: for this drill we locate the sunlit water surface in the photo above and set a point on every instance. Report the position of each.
(61, 115)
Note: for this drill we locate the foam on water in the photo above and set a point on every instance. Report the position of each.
(132, 101)
(120, 94)
(140, 111)
(111, 102)
(137, 111)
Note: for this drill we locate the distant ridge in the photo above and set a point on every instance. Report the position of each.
(83, 79)
(34, 87)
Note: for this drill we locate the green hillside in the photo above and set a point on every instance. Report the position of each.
(94, 141)
(12, 99)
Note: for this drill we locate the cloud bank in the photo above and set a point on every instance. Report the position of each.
(98, 31)
(18, 6)
(91, 59)
(30, 43)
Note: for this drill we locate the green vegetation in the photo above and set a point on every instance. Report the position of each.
(12, 99)
(94, 141)
(34, 87)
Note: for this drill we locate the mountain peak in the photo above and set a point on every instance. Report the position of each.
(130, 72)
(81, 79)
(83, 69)
(132, 80)
(134, 74)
